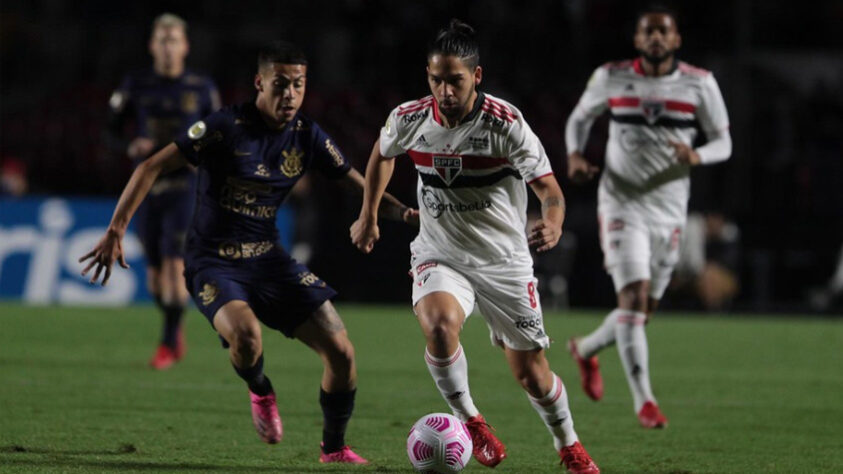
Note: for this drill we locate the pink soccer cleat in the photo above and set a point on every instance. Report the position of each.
(344, 455)
(266, 417)
(164, 358)
(577, 461)
(651, 417)
(488, 449)
(592, 382)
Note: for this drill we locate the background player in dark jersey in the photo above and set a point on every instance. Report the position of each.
(162, 102)
(249, 157)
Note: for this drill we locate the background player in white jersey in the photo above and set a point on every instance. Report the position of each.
(657, 104)
(473, 153)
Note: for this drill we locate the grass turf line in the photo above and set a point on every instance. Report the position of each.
(742, 394)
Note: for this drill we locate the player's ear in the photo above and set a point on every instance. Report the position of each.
(478, 75)
(258, 82)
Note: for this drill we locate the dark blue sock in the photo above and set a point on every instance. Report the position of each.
(172, 321)
(336, 411)
(259, 383)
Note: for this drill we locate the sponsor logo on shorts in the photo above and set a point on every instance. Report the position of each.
(533, 321)
(436, 207)
(209, 293)
(309, 279)
(424, 266)
(616, 225)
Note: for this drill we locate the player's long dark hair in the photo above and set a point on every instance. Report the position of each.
(458, 39)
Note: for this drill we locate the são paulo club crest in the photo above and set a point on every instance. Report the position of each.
(652, 109)
(448, 167)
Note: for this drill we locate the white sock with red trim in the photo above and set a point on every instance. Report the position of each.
(553, 410)
(601, 337)
(451, 377)
(632, 348)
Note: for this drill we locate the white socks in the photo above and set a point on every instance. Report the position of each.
(632, 348)
(601, 337)
(553, 410)
(451, 377)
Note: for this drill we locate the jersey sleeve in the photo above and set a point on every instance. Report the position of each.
(327, 157)
(712, 113)
(526, 153)
(594, 101)
(390, 137)
(205, 136)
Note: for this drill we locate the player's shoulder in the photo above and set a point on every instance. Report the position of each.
(623, 67)
(499, 109)
(412, 106)
(410, 115)
(195, 79)
(688, 70)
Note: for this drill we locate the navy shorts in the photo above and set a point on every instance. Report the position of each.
(280, 291)
(163, 219)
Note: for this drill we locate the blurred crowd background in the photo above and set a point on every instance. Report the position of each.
(766, 227)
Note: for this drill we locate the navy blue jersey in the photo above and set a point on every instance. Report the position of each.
(245, 171)
(161, 107)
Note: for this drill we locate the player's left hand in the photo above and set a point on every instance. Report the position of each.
(411, 216)
(103, 256)
(685, 154)
(544, 237)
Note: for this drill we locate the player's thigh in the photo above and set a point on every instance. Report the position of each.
(511, 306)
(442, 297)
(325, 333)
(665, 247)
(237, 323)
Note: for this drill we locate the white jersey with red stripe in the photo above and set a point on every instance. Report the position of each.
(471, 187)
(641, 173)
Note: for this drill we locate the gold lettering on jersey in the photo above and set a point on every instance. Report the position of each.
(190, 102)
(238, 250)
(209, 293)
(239, 196)
(309, 279)
(335, 153)
(262, 171)
(292, 165)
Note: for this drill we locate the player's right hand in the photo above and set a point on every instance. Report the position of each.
(364, 233)
(579, 169)
(140, 147)
(109, 249)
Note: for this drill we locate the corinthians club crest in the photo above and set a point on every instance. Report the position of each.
(447, 167)
(652, 109)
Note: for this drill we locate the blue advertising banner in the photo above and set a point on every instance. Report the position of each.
(41, 239)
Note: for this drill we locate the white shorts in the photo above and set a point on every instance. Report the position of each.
(634, 250)
(507, 298)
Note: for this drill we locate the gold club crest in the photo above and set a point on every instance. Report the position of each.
(292, 165)
(209, 293)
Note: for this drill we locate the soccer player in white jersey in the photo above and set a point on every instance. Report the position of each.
(474, 153)
(656, 105)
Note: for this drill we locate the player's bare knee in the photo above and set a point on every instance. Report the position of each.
(246, 341)
(635, 296)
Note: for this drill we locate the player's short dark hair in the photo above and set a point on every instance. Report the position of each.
(458, 39)
(281, 52)
(657, 8)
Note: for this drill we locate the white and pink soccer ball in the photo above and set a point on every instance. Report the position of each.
(439, 443)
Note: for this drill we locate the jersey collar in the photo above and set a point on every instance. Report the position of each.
(475, 110)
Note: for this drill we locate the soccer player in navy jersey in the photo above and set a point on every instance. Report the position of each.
(249, 156)
(163, 101)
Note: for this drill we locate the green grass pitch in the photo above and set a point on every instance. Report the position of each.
(742, 394)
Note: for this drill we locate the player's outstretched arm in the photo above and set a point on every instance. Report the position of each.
(547, 231)
(392, 208)
(110, 247)
(364, 231)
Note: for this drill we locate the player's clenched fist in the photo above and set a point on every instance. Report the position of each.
(364, 233)
(103, 256)
(685, 154)
(579, 169)
(544, 237)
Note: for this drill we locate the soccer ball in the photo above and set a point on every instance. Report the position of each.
(439, 443)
